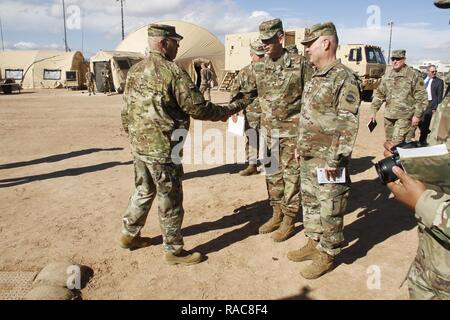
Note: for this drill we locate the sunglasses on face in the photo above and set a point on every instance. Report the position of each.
(396, 59)
(433, 71)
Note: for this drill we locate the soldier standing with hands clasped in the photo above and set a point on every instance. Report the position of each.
(327, 133)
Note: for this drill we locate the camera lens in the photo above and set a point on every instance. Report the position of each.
(384, 170)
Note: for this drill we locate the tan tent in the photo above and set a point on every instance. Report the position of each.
(43, 69)
(199, 45)
(120, 62)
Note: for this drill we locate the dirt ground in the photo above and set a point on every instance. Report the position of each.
(66, 175)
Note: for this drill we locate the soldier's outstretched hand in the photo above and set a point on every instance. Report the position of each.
(408, 191)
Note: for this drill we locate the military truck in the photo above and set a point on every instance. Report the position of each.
(365, 60)
(8, 85)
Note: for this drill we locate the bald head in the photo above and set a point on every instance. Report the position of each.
(322, 51)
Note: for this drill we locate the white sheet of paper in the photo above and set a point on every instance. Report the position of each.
(238, 127)
(322, 176)
(437, 150)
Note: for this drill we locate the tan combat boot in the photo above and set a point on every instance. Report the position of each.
(184, 258)
(250, 170)
(321, 264)
(274, 222)
(128, 242)
(305, 253)
(286, 229)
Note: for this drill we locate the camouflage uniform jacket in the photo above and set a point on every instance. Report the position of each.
(329, 118)
(404, 94)
(159, 97)
(246, 81)
(433, 213)
(89, 77)
(279, 87)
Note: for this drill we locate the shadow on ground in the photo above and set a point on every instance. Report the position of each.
(228, 168)
(56, 157)
(380, 219)
(252, 216)
(12, 182)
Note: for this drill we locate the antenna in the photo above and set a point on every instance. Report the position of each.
(82, 33)
(1, 32)
(121, 10)
(65, 29)
(390, 40)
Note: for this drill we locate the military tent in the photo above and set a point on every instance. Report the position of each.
(119, 61)
(198, 46)
(43, 69)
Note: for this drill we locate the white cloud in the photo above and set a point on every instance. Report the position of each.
(24, 45)
(221, 17)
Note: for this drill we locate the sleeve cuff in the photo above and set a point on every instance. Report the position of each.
(333, 163)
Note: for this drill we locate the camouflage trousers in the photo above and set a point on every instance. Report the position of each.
(164, 182)
(420, 287)
(106, 85)
(323, 207)
(423, 282)
(90, 87)
(283, 177)
(398, 130)
(205, 88)
(253, 126)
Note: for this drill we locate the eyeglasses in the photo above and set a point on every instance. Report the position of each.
(396, 59)
(433, 71)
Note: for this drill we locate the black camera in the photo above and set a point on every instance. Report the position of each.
(384, 167)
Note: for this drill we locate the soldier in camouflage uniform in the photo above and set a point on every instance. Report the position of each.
(327, 132)
(429, 275)
(90, 78)
(402, 88)
(253, 112)
(206, 76)
(278, 82)
(159, 98)
(106, 78)
(292, 48)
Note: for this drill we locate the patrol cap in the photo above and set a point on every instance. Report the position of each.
(442, 4)
(292, 48)
(399, 54)
(318, 30)
(257, 47)
(268, 29)
(163, 30)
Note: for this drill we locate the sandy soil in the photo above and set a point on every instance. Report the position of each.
(66, 175)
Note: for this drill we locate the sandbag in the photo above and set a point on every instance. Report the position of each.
(50, 293)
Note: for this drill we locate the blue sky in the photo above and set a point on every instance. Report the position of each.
(419, 26)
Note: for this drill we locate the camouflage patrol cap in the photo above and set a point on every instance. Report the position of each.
(442, 4)
(318, 30)
(400, 54)
(163, 30)
(292, 48)
(268, 29)
(257, 47)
